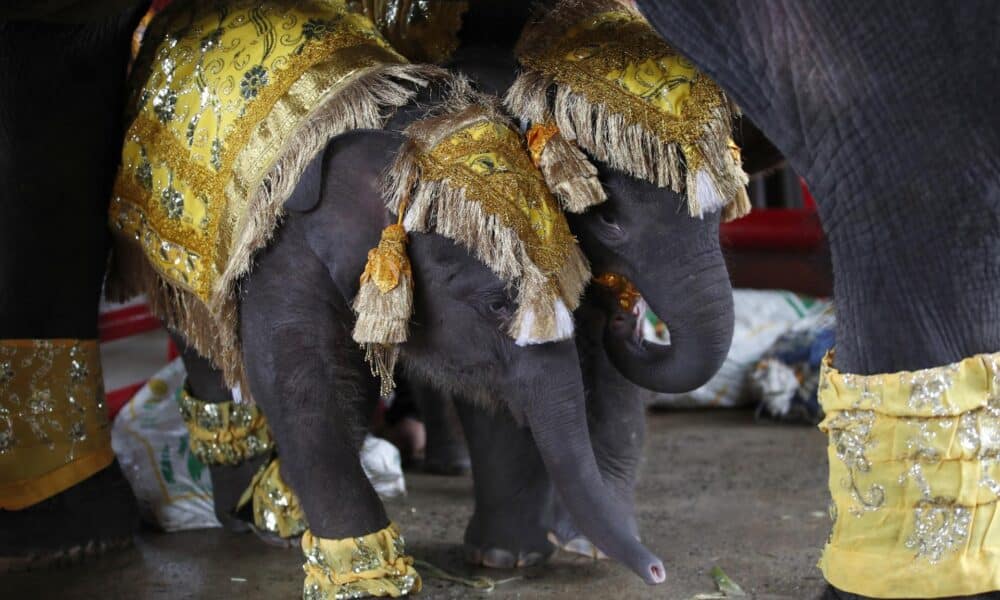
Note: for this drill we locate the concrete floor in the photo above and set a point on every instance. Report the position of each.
(717, 489)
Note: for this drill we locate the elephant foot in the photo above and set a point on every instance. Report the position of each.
(96, 516)
(832, 593)
(450, 459)
(228, 485)
(505, 543)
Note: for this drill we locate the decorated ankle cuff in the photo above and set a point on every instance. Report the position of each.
(276, 509)
(224, 433)
(915, 478)
(374, 565)
(53, 423)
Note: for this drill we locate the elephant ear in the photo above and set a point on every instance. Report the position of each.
(306, 194)
(596, 72)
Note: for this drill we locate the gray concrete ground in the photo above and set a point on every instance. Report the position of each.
(717, 489)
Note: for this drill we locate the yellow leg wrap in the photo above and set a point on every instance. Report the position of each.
(374, 565)
(915, 478)
(54, 430)
(275, 507)
(224, 433)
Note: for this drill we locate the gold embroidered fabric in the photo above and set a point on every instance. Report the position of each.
(195, 152)
(224, 433)
(629, 99)
(275, 506)
(488, 160)
(915, 477)
(54, 429)
(231, 101)
(468, 176)
(374, 565)
(420, 30)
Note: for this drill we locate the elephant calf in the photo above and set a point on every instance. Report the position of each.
(247, 205)
(646, 213)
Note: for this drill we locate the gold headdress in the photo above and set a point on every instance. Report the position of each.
(629, 99)
(231, 102)
(465, 174)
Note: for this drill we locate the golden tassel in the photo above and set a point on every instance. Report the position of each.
(384, 303)
(568, 173)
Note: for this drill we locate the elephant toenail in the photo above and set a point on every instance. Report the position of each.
(530, 559)
(583, 547)
(498, 559)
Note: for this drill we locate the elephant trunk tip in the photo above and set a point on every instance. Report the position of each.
(654, 573)
(648, 567)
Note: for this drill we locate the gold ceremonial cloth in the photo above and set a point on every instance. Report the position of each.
(227, 86)
(53, 423)
(915, 478)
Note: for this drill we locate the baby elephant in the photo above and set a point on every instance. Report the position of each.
(249, 202)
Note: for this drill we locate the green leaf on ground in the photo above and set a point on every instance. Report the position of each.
(726, 585)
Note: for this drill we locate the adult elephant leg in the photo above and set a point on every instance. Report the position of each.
(61, 92)
(205, 389)
(512, 491)
(912, 213)
(446, 452)
(616, 417)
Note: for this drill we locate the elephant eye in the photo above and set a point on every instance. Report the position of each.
(608, 227)
(498, 306)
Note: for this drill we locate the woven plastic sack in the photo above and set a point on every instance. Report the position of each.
(174, 489)
(761, 317)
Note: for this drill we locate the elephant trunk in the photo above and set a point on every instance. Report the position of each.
(558, 423)
(696, 303)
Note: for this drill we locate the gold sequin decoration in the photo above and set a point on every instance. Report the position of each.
(276, 508)
(374, 565)
(914, 474)
(224, 433)
(205, 126)
(54, 428)
(488, 159)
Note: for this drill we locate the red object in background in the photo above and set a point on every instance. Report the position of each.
(782, 229)
(122, 323)
(807, 198)
(785, 229)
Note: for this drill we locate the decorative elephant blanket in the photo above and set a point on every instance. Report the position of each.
(230, 102)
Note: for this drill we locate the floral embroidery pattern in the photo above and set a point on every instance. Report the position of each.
(253, 81)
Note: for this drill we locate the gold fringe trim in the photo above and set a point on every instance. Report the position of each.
(213, 330)
(702, 167)
(567, 172)
(446, 208)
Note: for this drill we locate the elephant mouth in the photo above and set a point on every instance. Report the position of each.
(630, 315)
